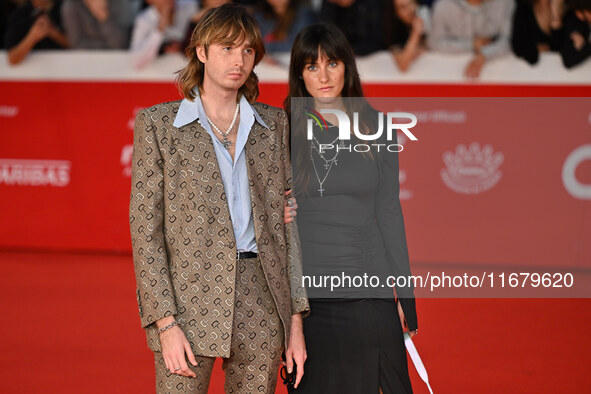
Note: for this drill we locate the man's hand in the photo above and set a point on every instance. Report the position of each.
(291, 206)
(296, 352)
(99, 9)
(174, 347)
(475, 67)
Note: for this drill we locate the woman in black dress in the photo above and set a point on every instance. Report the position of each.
(350, 223)
(537, 27)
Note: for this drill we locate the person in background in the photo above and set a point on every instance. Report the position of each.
(281, 20)
(537, 27)
(576, 46)
(360, 20)
(6, 8)
(206, 5)
(35, 25)
(406, 32)
(91, 24)
(481, 27)
(125, 11)
(159, 29)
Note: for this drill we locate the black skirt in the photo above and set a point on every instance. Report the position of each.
(354, 347)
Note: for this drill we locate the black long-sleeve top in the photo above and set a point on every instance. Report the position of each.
(357, 226)
(571, 56)
(22, 19)
(361, 22)
(527, 34)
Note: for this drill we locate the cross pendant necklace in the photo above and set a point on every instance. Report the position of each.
(225, 142)
(329, 163)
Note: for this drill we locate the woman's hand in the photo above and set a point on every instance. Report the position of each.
(403, 321)
(291, 207)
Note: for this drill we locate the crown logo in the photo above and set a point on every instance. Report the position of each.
(471, 170)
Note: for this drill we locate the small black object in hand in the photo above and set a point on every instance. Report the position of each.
(288, 378)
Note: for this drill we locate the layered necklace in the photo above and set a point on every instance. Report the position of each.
(225, 142)
(328, 162)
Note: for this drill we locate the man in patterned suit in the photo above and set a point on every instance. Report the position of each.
(217, 270)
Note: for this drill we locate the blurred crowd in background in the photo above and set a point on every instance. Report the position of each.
(407, 28)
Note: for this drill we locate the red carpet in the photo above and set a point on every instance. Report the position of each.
(70, 325)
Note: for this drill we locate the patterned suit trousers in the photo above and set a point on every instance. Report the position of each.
(256, 346)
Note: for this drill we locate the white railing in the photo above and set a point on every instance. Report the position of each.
(430, 68)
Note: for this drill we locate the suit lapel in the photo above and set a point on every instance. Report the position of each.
(200, 160)
(254, 164)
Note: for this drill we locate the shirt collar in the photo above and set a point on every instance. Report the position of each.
(189, 111)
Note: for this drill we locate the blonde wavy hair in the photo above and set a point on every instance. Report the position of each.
(226, 24)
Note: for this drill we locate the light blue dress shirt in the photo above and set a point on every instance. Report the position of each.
(234, 173)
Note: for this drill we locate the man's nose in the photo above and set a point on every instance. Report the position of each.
(239, 59)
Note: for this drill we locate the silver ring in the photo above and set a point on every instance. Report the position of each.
(177, 368)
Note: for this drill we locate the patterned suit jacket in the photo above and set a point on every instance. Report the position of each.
(184, 249)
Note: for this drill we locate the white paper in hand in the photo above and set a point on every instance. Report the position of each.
(416, 360)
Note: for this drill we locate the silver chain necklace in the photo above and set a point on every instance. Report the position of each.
(328, 163)
(226, 143)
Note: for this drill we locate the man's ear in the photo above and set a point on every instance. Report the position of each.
(201, 53)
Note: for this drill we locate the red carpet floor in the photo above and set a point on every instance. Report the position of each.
(69, 324)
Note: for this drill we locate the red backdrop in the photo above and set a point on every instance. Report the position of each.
(505, 204)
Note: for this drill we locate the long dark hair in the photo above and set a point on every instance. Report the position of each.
(311, 43)
(395, 32)
(320, 40)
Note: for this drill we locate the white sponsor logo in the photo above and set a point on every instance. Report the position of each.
(571, 183)
(131, 121)
(471, 170)
(127, 149)
(126, 153)
(405, 194)
(35, 172)
(8, 111)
